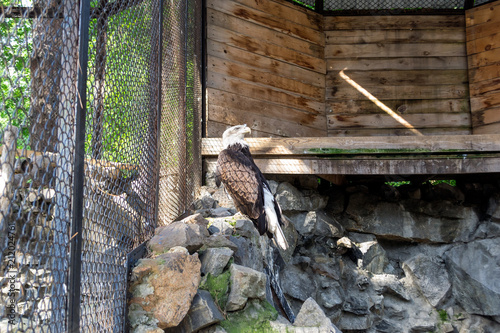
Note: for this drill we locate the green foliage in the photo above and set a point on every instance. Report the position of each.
(304, 4)
(16, 41)
(254, 318)
(450, 182)
(397, 184)
(443, 315)
(118, 89)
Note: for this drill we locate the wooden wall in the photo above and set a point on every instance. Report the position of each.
(287, 71)
(483, 49)
(415, 65)
(265, 68)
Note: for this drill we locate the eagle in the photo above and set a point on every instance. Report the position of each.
(247, 186)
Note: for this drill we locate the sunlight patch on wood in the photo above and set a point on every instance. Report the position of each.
(381, 105)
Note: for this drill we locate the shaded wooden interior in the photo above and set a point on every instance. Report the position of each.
(347, 95)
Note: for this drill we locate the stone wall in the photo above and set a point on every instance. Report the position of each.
(417, 257)
(365, 257)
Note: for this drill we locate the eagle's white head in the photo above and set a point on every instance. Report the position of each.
(235, 134)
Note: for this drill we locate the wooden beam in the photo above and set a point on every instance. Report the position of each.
(401, 145)
(438, 22)
(354, 166)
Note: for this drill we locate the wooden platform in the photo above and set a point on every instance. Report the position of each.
(391, 155)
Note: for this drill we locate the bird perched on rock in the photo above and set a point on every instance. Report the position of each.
(247, 186)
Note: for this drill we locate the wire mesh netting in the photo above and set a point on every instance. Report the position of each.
(180, 172)
(142, 118)
(364, 6)
(391, 4)
(38, 71)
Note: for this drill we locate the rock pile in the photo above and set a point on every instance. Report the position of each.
(362, 259)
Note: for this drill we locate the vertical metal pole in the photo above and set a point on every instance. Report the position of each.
(188, 182)
(468, 4)
(319, 6)
(204, 112)
(158, 112)
(78, 176)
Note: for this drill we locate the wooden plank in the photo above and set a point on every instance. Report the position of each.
(215, 18)
(244, 72)
(430, 166)
(487, 43)
(486, 117)
(404, 63)
(291, 12)
(362, 36)
(400, 106)
(386, 121)
(485, 58)
(276, 126)
(346, 91)
(484, 73)
(257, 46)
(401, 77)
(483, 14)
(268, 20)
(223, 51)
(480, 31)
(438, 22)
(271, 95)
(484, 101)
(388, 50)
(363, 146)
(371, 132)
(483, 87)
(244, 104)
(487, 129)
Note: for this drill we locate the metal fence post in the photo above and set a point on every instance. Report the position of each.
(159, 111)
(319, 6)
(468, 4)
(79, 173)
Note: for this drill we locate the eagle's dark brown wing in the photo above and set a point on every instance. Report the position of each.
(239, 176)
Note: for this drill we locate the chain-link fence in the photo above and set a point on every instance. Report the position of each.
(364, 7)
(100, 116)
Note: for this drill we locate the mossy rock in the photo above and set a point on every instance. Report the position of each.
(218, 287)
(255, 317)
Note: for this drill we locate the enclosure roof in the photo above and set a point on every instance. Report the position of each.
(363, 7)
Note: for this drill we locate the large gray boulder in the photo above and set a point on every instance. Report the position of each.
(438, 222)
(203, 313)
(162, 289)
(291, 199)
(311, 315)
(213, 260)
(245, 283)
(430, 276)
(297, 284)
(316, 223)
(188, 235)
(475, 273)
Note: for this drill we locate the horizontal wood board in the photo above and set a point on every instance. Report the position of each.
(265, 68)
(432, 144)
(416, 66)
(483, 50)
(374, 166)
(454, 154)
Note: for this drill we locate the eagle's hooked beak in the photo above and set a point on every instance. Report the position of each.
(247, 130)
